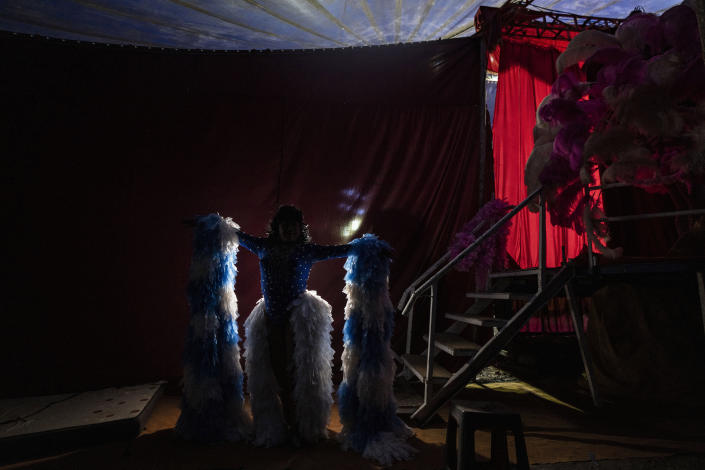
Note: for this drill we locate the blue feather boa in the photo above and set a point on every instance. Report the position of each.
(365, 397)
(213, 393)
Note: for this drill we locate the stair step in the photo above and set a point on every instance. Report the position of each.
(494, 346)
(407, 402)
(499, 295)
(478, 320)
(521, 272)
(417, 364)
(455, 345)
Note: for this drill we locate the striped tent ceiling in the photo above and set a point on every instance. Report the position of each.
(271, 24)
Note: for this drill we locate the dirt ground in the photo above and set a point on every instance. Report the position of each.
(562, 431)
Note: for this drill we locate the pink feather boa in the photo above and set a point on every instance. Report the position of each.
(642, 112)
(492, 253)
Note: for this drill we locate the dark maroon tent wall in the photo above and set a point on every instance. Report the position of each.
(105, 150)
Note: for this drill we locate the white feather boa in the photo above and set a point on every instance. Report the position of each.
(311, 324)
(212, 400)
(374, 388)
(366, 396)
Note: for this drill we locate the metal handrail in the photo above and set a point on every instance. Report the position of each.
(609, 186)
(651, 215)
(646, 215)
(408, 291)
(433, 279)
(630, 217)
(431, 284)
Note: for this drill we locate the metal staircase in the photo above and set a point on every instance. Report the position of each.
(534, 287)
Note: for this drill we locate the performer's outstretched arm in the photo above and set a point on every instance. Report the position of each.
(323, 252)
(252, 243)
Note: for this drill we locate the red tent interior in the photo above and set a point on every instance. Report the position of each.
(106, 150)
(524, 59)
(527, 46)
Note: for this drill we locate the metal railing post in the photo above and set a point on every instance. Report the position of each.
(408, 294)
(590, 255)
(410, 290)
(542, 243)
(428, 386)
(409, 327)
(483, 124)
(576, 313)
(701, 293)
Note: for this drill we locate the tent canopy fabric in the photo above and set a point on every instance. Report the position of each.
(271, 24)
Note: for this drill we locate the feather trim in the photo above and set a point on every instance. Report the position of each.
(212, 401)
(582, 46)
(267, 416)
(365, 397)
(311, 325)
(540, 155)
(492, 254)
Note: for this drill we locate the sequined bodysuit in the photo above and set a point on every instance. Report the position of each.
(284, 269)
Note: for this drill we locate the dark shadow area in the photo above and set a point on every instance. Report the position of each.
(66, 441)
(106, 150)
(163, 450)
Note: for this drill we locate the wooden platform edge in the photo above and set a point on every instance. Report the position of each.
(42, 444)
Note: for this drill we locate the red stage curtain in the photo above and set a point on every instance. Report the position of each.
(107, 149)
(526, 73)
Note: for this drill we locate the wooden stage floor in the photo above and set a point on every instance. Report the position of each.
(557, 433)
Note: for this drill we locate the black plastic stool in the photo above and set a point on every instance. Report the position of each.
(470, 416)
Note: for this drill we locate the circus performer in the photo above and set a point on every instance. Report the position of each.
(288, 355)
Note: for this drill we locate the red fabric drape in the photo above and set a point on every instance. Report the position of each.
(107, 150)
(526, 73)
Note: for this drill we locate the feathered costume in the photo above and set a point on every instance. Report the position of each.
(211, 408)
(492, 254)
(213, 398)
(365, 397)
(284, 269)
(639, 116)
(311, 323)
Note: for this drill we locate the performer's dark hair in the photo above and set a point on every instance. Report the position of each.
(288, 213)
